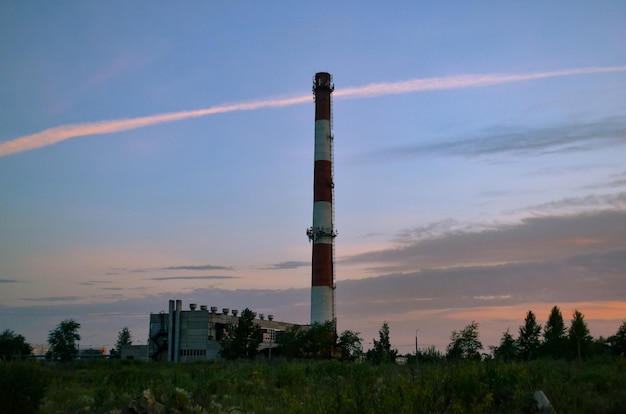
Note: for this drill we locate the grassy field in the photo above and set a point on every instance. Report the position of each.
(597, 386)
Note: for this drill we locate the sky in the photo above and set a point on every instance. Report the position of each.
(158, 150)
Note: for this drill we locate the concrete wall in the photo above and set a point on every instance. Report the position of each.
(137, 352)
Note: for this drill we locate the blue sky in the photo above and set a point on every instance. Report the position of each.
(453, 203)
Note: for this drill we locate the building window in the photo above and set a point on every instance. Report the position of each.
(269, 335)
(193, 352)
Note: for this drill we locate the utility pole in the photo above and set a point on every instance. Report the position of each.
(416, 351)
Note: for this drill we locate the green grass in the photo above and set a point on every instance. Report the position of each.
(315, 386)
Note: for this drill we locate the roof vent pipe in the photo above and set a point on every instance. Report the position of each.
(235, 312)
(213, 309)
(193, 306)
(203, 307)
(225, 311)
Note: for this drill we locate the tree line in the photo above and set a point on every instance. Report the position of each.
(62, 341)
(556, 340)
(321, 341)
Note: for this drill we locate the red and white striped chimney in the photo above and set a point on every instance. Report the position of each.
(322, 233)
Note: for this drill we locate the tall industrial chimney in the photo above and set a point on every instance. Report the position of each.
(322, 233)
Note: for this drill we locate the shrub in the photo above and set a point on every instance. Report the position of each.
(22, 386)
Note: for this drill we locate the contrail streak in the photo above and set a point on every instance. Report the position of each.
(53, 135)
(61, 133)
(460, 81)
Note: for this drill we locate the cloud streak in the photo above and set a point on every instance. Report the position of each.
(470, 287)
(535, 239)
(191, 278)
(288, 265)
(199, 267)
(571, 137)
(61, 133)
(53, 299)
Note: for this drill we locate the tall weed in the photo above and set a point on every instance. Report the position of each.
(279, 386)
(22, 386)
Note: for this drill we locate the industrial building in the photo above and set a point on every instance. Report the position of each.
(195, 334)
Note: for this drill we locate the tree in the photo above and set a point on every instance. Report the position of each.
(243, 341)
(13, 345)
(124, 337)
(528, 340)
(382, 352)
(507, 350)
(63, 341)
(320, 342)
(430, 355)
(465, 344)
(554, 338)
(290, 342)
(617, 342)
(350, 345)
(600, 346)
(578, 335)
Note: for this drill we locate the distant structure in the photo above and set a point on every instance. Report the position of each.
(322, 234)
(195, 334)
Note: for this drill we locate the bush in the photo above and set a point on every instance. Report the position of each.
(22, 386)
